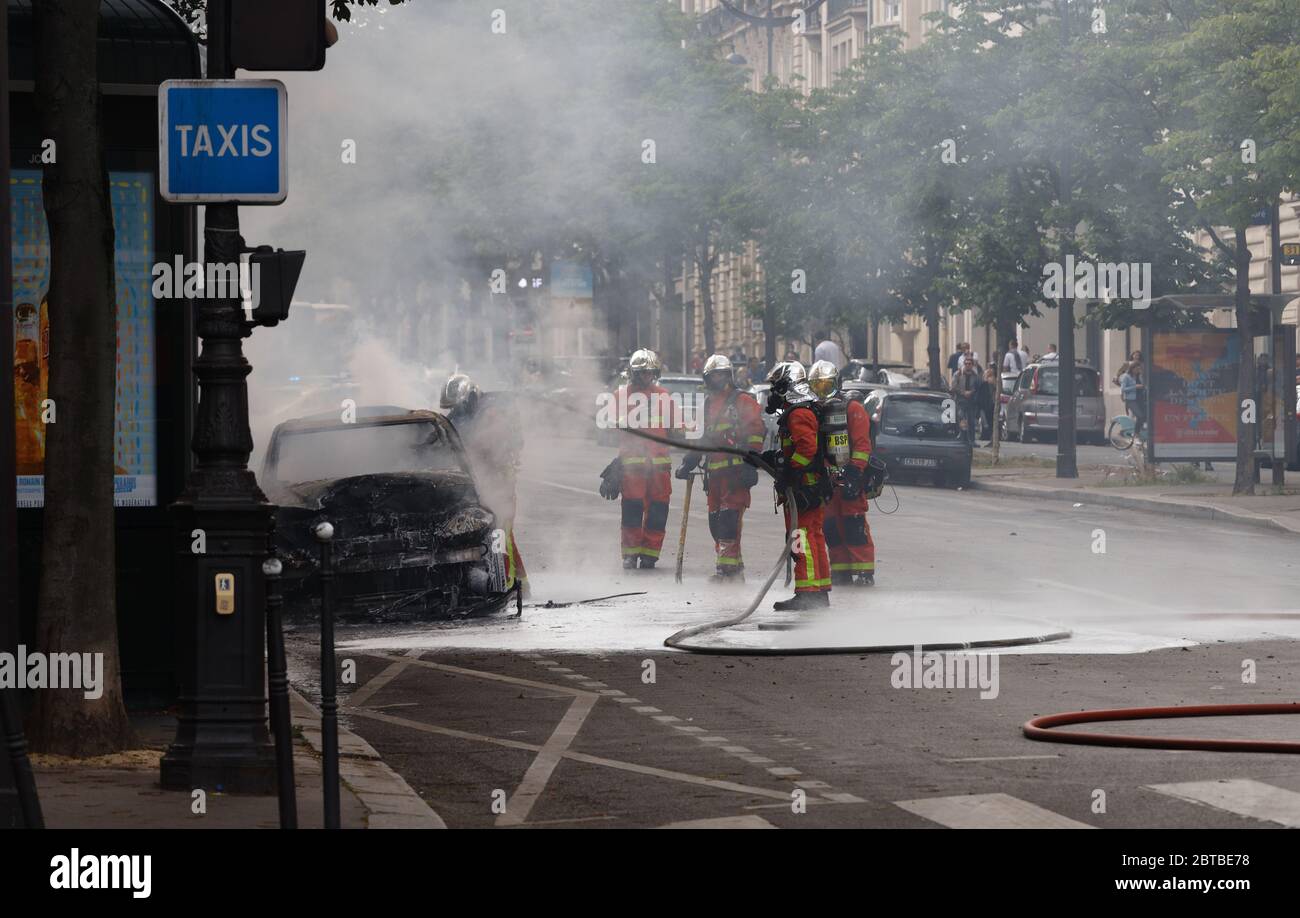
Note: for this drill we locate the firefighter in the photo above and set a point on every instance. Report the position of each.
(846, 441)
(642, 473)
(489, 427)
(801, 464)
(731, 418)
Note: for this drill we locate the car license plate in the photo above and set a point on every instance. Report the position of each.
(923, 463)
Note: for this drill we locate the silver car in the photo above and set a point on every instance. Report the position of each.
(1032, 409)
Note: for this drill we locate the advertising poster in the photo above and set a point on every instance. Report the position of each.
(135, 441)
(1194, 394)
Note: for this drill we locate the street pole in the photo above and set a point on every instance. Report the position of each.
(1066, 464)
(1275, 285)
(221, 739)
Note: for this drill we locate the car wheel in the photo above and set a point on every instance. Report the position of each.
(1026, 436)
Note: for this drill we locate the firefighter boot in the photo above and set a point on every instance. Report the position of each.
(801, 601)
(864, 579)
(841, 578)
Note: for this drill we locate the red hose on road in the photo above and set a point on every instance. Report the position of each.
(1040, 728)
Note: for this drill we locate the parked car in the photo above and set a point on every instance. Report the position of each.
(411, 536)
(910, 433)
(900, 375)
(1032, 409)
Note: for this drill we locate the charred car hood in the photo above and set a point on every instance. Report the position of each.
(442, 504)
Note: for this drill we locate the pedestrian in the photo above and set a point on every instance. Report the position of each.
(827, 349)
(697, 362)
(963, 391)
(731, 418)
(1133, 391)
(985, 398)
(954, 362)
(642, 472)
(1015, 360)
(1051, 354)
(846, 442)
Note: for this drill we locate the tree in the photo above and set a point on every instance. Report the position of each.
(77, 609)
(1231, 148)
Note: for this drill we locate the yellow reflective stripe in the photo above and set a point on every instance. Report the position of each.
(631, 551)
(651, 552)
(810, 478)
(786, 441)
(661, 460)
(756, 438)
(633, 460)
(857, 455)
(728, 561)
(721, 427)
(854, 566)
(800, 459)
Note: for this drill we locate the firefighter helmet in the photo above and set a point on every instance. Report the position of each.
(785, 375)
(459, 390)
(719, 364)
(823, 379)
(644, 361)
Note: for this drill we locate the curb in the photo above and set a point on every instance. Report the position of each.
(390, 802)
(1147, 504)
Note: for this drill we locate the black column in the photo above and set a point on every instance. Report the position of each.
(222, 741)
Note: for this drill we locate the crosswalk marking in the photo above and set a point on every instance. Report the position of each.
(1240, 796)
(723, 822)
(987, 811)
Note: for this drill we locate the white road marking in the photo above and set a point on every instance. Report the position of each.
(784, 772)
(664, 718)
(1117, 599)
(987, 811)
(365, 692)
(539, 772)
(1240, 796)
(723, 822)
(578, 756)
(562, 487)
(1000, 758)
(647, 709)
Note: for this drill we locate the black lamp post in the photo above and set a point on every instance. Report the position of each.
(221, 742)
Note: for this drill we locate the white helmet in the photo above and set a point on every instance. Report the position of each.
(644, 361)
(718, 363)
(459, 389)
(823, 379)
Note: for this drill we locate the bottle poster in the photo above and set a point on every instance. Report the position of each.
(135, 463)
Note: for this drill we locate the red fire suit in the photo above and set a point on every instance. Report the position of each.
(799, 446)
(848, 537)
(732, 418)
(647, 468)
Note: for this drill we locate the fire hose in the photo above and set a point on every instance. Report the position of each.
(787, 551)
(1040, 728)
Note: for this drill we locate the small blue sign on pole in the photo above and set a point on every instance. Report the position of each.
(222, 141)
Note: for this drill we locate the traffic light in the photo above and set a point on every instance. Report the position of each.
(279, 34)
(277, 274)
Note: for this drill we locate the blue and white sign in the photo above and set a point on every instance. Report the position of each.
(222, 141)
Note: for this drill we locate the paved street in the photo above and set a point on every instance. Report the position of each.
(556, 715)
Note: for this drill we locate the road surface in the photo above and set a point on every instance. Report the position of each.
(580, 717)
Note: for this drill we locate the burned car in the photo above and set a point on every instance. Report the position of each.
(412, 538)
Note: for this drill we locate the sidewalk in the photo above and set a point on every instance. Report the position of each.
(121, 791)
(1101, 486)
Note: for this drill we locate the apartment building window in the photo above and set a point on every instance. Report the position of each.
(892, 12)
